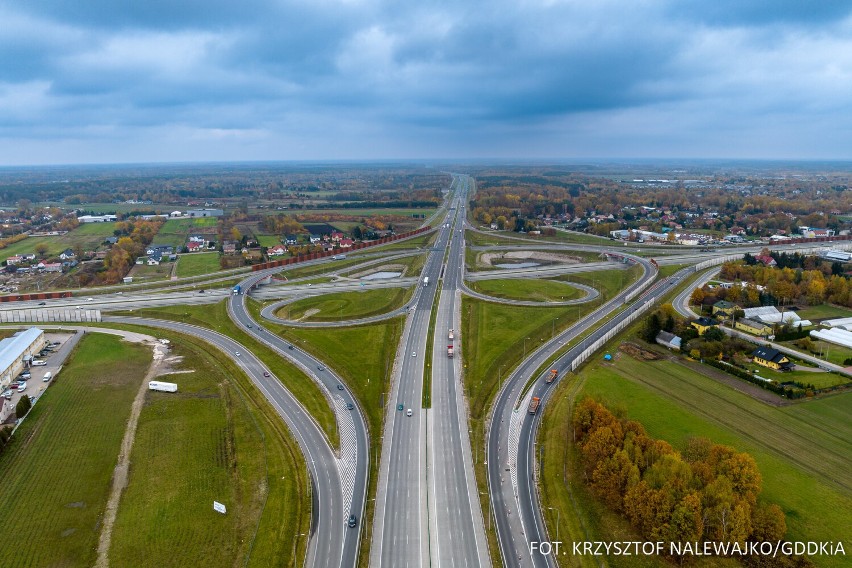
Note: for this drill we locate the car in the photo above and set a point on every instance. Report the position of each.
(22, 387)
(248, 325)
(339, 387)
(349, 406)
(79, 308)
(201, 291)
(353, 520)
(309, 285)
(409, 412)
(38, 363)
(7, 394)
(399, 407)
(414, 353)
(320, 368)
(42, 303)
(266, 374)
(290, 347)
(90, 299)
(237, 353)
(26, 375)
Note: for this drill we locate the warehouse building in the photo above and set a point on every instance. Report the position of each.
(16, 351)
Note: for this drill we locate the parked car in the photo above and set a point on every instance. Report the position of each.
(7, 394)
(22, 387)
(38, 363)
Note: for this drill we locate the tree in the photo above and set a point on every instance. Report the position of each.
(23, 407)
(41, 249)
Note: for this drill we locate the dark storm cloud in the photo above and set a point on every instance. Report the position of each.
(315, 78)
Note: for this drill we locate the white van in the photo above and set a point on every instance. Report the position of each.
(47, 376)
(38, 363)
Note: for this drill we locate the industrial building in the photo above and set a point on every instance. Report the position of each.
(17, 351)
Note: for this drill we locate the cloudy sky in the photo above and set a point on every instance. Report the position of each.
(104, 81)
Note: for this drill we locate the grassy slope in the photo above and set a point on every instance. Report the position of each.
(216, 317)
(347, 305)
(527, 289)
(208, 442)
(56, 471)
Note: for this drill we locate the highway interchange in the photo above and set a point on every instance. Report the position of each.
(427, 509)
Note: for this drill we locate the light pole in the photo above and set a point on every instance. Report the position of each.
(557, 520)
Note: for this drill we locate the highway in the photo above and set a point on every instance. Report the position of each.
(457, 533)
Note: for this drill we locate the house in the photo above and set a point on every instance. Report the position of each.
(51, 266)
(314, 238)
(15, 259)
(753, 327)
(67, 254)
(277, 250)
(229, 247)
(766, 260)
(346, 243)
(140, 260)
(669, 340)
(160, 250)
(336, 236)
(291, 239)
(724, 309)
(193, 246)
(196, 239)
(771, 358)
(111, 240)
(154, 260)
(703, 324)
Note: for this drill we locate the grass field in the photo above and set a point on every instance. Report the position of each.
(145, 273)
(268, 240)
(57, 469)
(210, 442)
(804, 446)
(197, 263)
(363, 356)
(824, 311)
(346, 305)
(87, 235)
(303, 388)
(175, 232)
(422, 241)
(527, 289)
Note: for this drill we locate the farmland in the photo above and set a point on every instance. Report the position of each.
(87, 236)
(56, 471)
(805, 445)
(209, 441)
(175, 232)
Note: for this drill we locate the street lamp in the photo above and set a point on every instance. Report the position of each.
(557, 520)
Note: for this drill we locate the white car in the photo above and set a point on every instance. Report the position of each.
(237, 353)
(90, 299)
(414, 353)
(38, 363)
(409, 412)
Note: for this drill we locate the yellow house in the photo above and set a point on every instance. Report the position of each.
(724, 309)
(703, 324)
(753, 327)
(772, 358)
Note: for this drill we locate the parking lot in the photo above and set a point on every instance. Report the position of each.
(61, 344)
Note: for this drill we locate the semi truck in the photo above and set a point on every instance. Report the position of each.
(238, 290)
(426, 281)
(534, 404)
(552, 376)
(450, 351)
(451, 335)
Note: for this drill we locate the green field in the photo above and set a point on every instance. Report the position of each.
(527, 289)
(144, 273)
(197, 263)
(57, 469)
(824, 311)
(268, 240)
(805, 446)
(346, 305)
(88, 236)
(203, 443)
(175, 232)
(216, 317)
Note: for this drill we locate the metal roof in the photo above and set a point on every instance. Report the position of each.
(13, 347)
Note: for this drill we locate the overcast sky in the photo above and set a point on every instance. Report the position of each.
(104, 81)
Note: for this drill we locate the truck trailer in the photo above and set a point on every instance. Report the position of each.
(161, 386)
(426, 281)
(451, 335)
(534, 404)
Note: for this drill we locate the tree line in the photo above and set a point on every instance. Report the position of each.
(708, 493)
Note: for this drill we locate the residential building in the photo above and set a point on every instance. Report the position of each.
(724, 309)
(703, 324)
(67, 254)
(346, 243)
(14, 260)
(277, 250)
(753, 327)
(670, 340)
(193, 246)
(771, 358)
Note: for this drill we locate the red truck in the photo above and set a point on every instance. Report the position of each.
(450, 351)
(552, 376)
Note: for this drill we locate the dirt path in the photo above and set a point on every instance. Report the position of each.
(119, 477)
